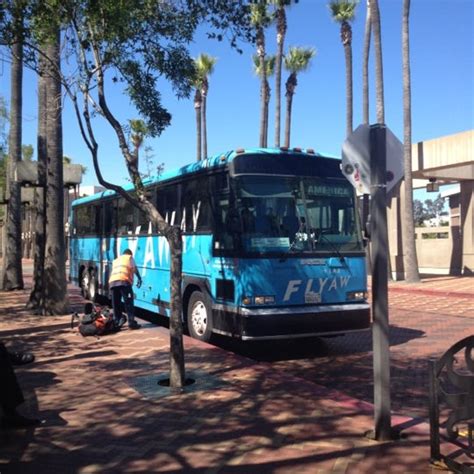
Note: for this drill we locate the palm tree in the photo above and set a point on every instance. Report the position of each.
(260, 19)
(11, 273)
(269, 70)
(343, 11)
(281, 27)
(410, 258)
(55, 291)
(296, 61)
(197, 108)
(379, 94)
(205, 67)
(365, 67)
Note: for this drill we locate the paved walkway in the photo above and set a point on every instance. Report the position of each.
(105, 412)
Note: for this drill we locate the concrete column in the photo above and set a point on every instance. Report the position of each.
(394, 224)
(467, 226)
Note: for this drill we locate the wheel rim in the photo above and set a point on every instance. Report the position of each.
(92, 288)
(199, 318)
(85, 281)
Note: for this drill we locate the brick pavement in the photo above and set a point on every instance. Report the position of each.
(104, 411)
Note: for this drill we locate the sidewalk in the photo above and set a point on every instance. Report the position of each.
(104, 411)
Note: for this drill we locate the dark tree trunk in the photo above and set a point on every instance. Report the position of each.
(290, 89)
(204, 121)
(379, 86)
(177, 370)
(197, 108)
(11, 271)
(55, 287)
(349, 100)
(36, 295)
(365, 67)
(281, 32)
(263, 79)
(410, 258)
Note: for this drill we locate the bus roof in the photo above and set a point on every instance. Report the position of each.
(213, 162)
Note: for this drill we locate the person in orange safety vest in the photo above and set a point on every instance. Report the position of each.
(121, 283)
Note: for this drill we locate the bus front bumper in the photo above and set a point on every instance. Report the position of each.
(290, 322)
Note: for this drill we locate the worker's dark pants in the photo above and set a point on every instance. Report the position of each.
(10, 392)
(125, 292)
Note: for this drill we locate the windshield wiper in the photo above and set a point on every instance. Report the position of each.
(320, 235)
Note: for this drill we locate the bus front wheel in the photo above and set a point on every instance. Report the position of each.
(199, 316)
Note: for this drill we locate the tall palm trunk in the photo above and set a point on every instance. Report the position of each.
(346, 37)
(281, 32)
(11, 274)
(410, 257)
(36, 295)
(291, 84)
(197, 108)
(263, 79)
(267, 101)
(365, 67)
(55, 290)
(204, 90)
(379, 86)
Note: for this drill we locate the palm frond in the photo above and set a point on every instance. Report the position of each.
(343, 10)
(269, 65)
(298, 59)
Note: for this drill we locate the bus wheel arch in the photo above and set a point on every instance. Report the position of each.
(199, 315)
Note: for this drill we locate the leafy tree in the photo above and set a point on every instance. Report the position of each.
(27, 152)
(408, 232)
(419, 212)
(296, 61)
(134, 43)
(435, 207)
(343, 11)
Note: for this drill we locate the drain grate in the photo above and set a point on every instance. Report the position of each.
(149, 386)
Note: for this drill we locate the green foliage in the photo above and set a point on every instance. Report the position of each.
(204, 65)
(343, 10)
(269, 65)
(298, 59)
(27, 152)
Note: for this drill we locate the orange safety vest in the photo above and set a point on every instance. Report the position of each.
(123, 269)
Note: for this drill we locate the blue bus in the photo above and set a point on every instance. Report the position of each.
(272, 245)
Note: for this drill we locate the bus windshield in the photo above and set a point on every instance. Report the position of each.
(272, 214)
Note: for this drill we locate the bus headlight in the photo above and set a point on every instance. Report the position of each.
(356, 295)
(260, 300)
(264, 299)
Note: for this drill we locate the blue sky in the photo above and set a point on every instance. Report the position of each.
(442, 54)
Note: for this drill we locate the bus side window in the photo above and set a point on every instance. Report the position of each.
(196, 203)
(82, 220)
(109, 217)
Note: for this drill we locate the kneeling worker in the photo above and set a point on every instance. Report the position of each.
(121, 282)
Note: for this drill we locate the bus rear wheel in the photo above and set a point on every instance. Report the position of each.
(200, 317)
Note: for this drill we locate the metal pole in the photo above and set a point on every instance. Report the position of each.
(380, 332)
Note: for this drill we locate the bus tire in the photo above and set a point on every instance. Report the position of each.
(199, 317)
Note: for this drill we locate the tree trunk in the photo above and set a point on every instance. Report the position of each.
(281, 31)
(289, 103)
(204, 124)
(349, 100)
(267, 101)
(263, 79)
(55, 287)
(197, 108)
(410, 258)
(365, 67)
(36, 295)
(379, 86)
(177, 370)
(11, 271)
